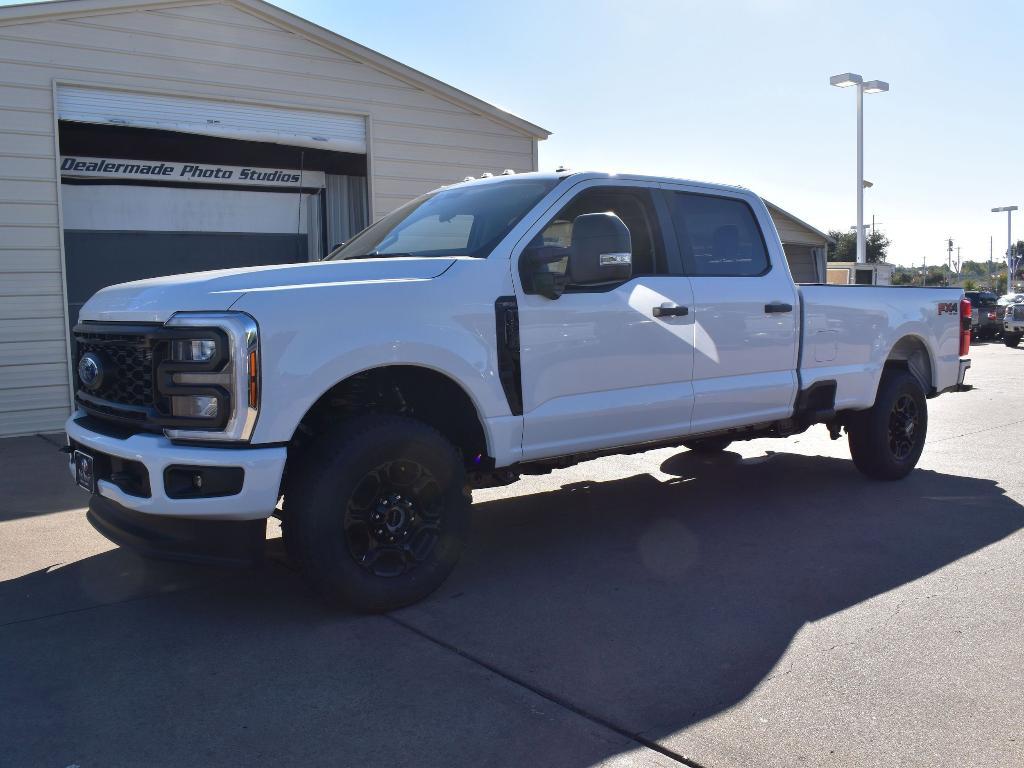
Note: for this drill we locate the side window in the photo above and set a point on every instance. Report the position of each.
(718, 236)
(636, 209)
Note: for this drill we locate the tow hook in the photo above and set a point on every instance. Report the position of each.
(835, 430)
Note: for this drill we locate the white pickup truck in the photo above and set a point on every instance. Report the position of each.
(492, 328)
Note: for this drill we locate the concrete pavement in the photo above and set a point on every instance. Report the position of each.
(766, 607)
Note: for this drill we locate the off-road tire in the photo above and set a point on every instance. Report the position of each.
(880, 443)
(342, 482)
(1011, 339)
(708, 444)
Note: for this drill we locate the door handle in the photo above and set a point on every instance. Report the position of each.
(778, 306)
(671, 311)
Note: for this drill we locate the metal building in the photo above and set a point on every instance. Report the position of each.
(146, 138)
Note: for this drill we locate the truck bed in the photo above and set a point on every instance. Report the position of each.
(850, 330)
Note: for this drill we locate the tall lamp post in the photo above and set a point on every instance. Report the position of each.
(845, 80)
(1009, 244)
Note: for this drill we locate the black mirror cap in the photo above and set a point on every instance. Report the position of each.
(601, 250)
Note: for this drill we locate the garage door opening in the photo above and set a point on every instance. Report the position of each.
(140, 202)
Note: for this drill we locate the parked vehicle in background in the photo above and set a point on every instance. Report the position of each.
(1013, 323)
(490, 329)
(986, 314)
(1011, 298)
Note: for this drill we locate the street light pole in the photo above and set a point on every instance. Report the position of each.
(1009, 243)
(861, 245)
(845, 80)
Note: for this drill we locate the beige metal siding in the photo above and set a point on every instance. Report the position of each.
(419, 140)
(791, 231)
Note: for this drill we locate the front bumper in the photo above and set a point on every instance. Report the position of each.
(207, 542)
(263, 468)
(1013, 326)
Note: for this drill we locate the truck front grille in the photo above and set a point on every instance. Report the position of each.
(1018, 311)
(130, 382)
(125, 392)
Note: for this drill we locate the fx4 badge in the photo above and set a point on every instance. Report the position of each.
(948, 308)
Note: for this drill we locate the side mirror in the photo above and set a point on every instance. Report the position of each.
(601, 250)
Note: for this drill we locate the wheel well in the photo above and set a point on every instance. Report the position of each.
(407, 390)
(911, 353)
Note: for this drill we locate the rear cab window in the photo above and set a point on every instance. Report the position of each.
(718, 236)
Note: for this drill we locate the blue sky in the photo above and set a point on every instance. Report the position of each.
(738, 92)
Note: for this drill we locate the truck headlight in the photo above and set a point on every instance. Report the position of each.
(209, 378)
(194, 406)
(193, 350)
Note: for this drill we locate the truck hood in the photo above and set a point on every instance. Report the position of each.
(156, 299)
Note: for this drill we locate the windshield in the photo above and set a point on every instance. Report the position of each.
(463, 221)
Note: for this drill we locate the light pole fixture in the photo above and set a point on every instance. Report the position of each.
(846, 80)
(1009, 209)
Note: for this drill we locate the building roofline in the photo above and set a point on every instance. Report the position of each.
(54, 9)
(801, 222)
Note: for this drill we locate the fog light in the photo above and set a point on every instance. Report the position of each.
(193, 350)
(194, 406)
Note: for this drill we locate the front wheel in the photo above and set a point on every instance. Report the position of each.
(886, 440)
(1011, 339)
(378, 515)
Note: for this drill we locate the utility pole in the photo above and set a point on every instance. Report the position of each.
(949, 253)
(991, 284)
(958, 262)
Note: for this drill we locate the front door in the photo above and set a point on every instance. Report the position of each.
(599, 368)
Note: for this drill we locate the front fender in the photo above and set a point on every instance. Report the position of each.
(312, 340)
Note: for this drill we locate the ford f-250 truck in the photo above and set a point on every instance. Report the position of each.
(496, 327)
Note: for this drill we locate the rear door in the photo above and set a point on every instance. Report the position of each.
(746, 308)
(599, 369)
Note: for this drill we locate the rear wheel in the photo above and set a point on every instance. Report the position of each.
(886, 441)
(1011, 339)
(708, 444)
(379, 515)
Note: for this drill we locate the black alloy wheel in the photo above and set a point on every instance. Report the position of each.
(392, 521)
(377, 512)
(886, 440)
(902, 427)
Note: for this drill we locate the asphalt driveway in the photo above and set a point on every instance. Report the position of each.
(766, 607)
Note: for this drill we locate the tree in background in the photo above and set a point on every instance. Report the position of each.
(903, 276)
(844, 246)
(974, 270)
(970, 285)
(938, 276)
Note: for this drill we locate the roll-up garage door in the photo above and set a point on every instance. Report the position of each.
(340, 133)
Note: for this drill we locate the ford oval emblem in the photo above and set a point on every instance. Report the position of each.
(90, 370)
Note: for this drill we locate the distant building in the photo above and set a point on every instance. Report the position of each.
(150, 137)
(805, 246)
(852, 273)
